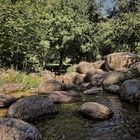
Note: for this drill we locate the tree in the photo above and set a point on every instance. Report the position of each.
(126, 15)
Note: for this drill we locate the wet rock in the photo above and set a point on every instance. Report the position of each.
(130, 89)
(93, 110)
(113, 89)
(85, 86)
(50, 86)
(115, 77)
(93, 90)
(6, 100)
(60, 97)
(84, 67)
(119, 61)
(32, 108)
(13, 129)
(95, 76)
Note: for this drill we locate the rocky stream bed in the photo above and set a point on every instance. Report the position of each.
(68, 125)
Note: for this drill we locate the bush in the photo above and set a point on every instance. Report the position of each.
(72, 69)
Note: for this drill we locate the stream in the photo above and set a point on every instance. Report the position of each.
(68, 125)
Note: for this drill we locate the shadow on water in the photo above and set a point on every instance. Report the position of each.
(68, 125)
(124, 125)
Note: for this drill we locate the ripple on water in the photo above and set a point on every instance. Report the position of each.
(124, 125)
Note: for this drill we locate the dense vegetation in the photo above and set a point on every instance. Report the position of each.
(34, 33)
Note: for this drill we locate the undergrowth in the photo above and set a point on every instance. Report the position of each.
(26, 81)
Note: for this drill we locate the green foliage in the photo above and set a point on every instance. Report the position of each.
(71, 69)
(126, 25)
(34, 33)
(14, 77)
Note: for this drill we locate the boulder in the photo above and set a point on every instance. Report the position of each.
(98, 64)
(68, 78)
(135, 70)
(13, 129)
(129, 90)
(93, 90)
(79, 79)
(113, 89)
(60, 97)
(50, 86)
(47, 75)
(95, 76)
(93, 110)
(6, 100)
(115, 77)
(71, 78)
(118, 61)
(71, 87)
(11, 87)
(84, 67)
(32, 108)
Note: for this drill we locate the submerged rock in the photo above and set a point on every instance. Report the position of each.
(6, 100)
(32, 108)
(93, 110)
(13, 129)
(60, 97)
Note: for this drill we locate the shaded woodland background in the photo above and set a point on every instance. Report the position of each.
(35, 33)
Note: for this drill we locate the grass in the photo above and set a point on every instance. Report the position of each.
(27, 81)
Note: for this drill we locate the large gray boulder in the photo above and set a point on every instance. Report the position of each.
(119, 61)
(32, 108)
(6, 100)
(13, 129)
(130, 89)
(93, 110)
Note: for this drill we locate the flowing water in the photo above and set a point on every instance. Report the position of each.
(68, 125)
